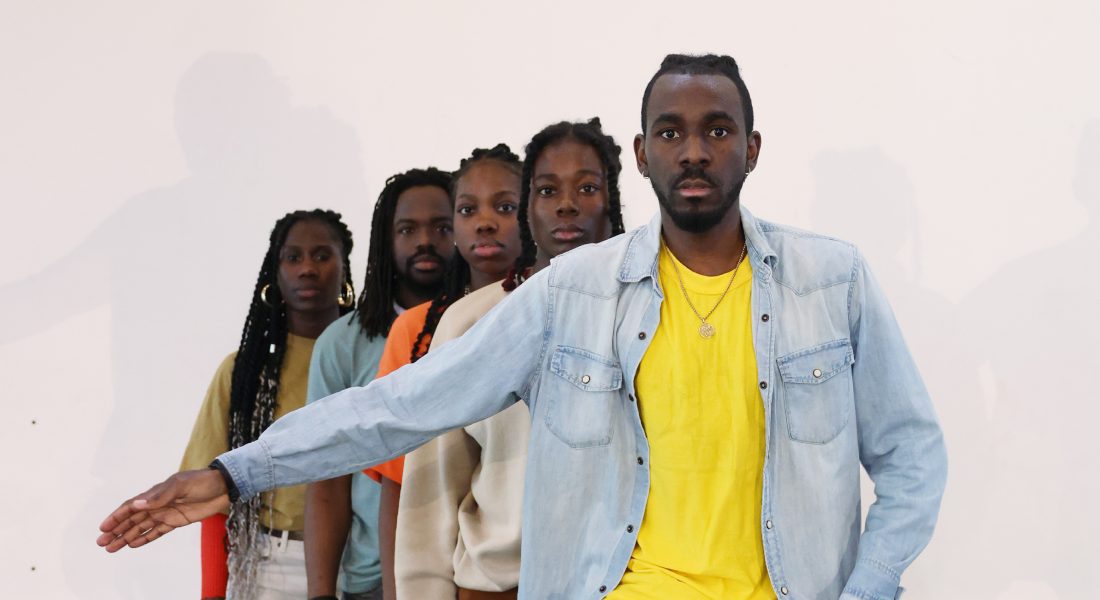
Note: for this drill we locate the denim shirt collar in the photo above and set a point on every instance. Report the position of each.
(641, 253)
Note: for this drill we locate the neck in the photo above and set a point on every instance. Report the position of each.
(310, 324)
(712, 252)
(542, 260)
(480, 279)
(408, 298)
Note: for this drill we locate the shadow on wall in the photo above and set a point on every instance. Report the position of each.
(1035, 328)
(867, 198)
(177, 265)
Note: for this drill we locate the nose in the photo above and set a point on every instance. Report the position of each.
(308, 268)
(486, 225)
(695, 151)
(567, 205)
(423, 237)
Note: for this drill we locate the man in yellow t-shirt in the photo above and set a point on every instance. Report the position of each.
(704, 419)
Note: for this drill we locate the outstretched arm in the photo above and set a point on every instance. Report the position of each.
(494, 364)
(900, 445)
(184, 498)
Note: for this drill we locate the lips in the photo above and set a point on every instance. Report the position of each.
(567, 233)
(488, 249)
(427, 263)
(694, 188)
(307, 292)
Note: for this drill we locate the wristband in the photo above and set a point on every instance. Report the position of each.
(230, 487)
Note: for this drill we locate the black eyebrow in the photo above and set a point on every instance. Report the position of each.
(672, 118)
(719, 115)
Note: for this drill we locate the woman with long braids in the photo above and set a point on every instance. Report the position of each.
(485, 191)
(458, 531)
(304, 285)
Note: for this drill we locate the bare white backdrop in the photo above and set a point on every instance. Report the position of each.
(146, 148)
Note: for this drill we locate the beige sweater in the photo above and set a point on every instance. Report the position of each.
(459, 522)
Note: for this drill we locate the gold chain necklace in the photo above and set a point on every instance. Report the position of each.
(706, 330)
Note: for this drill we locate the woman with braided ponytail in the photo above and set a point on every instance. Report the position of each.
(304, 285)
(458, 531)
(485, 192)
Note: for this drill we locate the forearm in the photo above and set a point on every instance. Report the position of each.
(387, 534)
(328, 519)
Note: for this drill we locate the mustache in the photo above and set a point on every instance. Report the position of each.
(422, 252)
(693, 172)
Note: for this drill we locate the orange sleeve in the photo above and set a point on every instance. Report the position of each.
(397, 353)
(215, 559)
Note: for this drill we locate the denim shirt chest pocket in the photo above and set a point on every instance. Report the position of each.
(581, 396)
(817, 390)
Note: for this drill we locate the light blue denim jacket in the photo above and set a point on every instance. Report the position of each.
(838, 385)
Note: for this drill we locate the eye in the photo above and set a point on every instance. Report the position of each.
(719, 132)
(321, 256)
(405, 231)
(465, 210)
(545, 191)
(507, 208)
(291, 257)
(446, 228)
(588, 188)
(669, 134)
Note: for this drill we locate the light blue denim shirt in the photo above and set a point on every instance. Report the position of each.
(838, 385)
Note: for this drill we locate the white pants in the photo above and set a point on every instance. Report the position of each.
(282, 575)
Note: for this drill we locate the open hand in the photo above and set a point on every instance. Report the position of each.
(182, 499)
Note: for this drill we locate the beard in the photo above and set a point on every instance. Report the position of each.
(697, 220)
(424, 289)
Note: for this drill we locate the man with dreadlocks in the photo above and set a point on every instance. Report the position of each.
(703, 393)
(458, 531)
(411, 241)
(303, 286)
(485, 193)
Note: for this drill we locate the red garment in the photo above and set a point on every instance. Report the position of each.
(215, 559)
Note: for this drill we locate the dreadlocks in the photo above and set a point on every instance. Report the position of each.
(591, 134)
(456, 281)
(255, 381)
(375, 305)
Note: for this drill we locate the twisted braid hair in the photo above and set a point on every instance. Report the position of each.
(255, 380)
(375, 305)
(456, 281)
(589, 133)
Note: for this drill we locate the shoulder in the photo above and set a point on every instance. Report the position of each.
(808, 260)
(341, 334)
(462, 315)
(225, 368)
(594, 268)
(411, 320)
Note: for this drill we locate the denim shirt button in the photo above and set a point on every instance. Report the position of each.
(603, 588)
(817, 373)
(641, 335)
(783, 590)
(630, 397)
(764, 317)
(585, 379)
(768, 523)
(641, 461)
(763, 385)
(630, 529)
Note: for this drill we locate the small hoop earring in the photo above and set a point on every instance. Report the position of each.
(346, 299)
(263, 295)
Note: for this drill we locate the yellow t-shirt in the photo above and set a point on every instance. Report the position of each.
(209, 437)
(704, 419)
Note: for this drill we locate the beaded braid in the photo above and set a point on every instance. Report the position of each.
(589, 133)
(254, 386)
(375, 305)
(457, 280)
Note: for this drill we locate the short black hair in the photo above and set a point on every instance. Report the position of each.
(707, 64)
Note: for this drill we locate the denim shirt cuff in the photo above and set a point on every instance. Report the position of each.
(872, 580)
(251, 469)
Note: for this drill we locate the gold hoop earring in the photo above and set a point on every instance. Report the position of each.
(346, 299)
(263, 295)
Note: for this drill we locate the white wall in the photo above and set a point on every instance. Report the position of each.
(146, 148)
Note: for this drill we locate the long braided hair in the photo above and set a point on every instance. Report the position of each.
(255, 384)
(456, 281)
(589, 133)
(374, 308)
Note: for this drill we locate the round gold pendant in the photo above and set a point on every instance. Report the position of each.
(706, 330)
